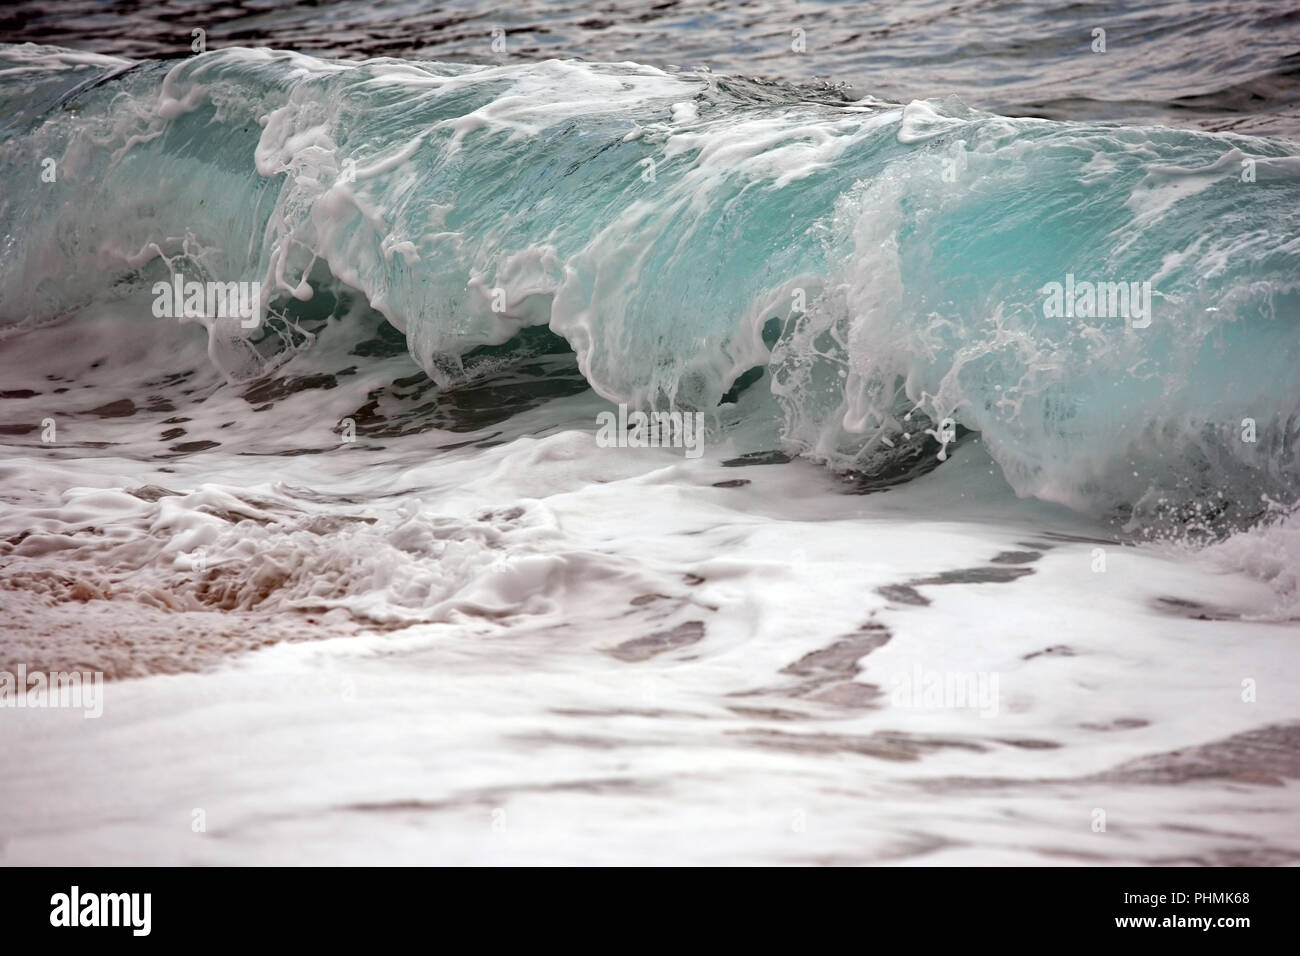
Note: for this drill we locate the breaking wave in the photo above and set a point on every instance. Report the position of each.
(875, 277)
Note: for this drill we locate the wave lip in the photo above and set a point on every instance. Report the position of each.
(884, 266)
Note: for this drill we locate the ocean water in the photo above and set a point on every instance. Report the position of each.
(960, 526)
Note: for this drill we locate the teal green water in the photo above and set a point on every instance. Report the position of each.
(887, 267)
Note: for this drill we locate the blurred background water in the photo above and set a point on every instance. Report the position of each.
(1232, 65)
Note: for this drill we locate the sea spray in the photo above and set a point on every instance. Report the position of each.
(467, 204)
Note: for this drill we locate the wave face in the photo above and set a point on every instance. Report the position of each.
(884, 266)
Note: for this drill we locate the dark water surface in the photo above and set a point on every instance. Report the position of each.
(1209, 65)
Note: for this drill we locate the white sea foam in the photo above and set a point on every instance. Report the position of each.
(351, 613)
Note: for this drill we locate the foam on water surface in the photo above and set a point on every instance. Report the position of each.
(644, 665)
(367, 588)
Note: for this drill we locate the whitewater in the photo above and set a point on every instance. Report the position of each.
(977, 561)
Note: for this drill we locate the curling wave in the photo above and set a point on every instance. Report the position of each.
(876, 274)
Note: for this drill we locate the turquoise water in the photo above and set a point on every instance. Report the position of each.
(879, 273)
(988, 551)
